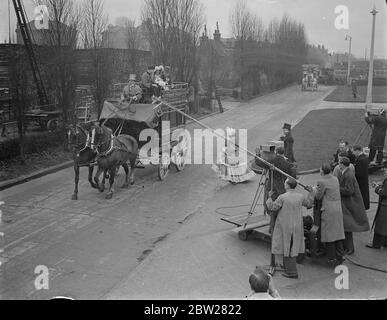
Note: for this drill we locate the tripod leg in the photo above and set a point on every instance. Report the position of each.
(257, 196)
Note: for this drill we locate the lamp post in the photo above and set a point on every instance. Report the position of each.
(371, 68)
(9, 22)
(349, 57)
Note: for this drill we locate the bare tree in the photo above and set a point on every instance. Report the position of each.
(21, 92)
(173, 28)
(93, 25)
(186, 21)
(132, 40)
(61, 38)
(156, 16)
(245, 29)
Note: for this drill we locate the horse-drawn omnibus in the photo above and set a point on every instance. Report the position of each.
(130, 126)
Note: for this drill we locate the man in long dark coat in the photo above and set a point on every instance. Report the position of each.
(276, 181)
(378, 137)
(288, 142)
(354, 214)
(361, 174)
(380, 223)
(275, 185)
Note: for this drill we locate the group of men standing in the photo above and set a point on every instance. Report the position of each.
(341, 195)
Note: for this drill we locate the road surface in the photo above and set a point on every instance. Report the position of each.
(92, 245)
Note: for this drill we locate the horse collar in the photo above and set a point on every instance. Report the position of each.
(109, 151)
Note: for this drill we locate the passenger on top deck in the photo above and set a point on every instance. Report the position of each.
(132, 92)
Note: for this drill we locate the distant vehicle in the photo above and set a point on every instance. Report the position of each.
(310, 77)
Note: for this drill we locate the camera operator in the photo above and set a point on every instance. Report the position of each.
(380, 223)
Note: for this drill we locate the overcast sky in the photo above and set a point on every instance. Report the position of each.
(317, 15)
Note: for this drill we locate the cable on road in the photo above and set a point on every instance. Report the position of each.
(365, 267)
(220, 209)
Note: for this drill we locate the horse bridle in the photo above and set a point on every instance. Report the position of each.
(87, 143)
(92, 143)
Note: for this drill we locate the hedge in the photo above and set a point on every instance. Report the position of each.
(32, 144)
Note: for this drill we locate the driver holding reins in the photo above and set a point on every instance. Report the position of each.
(132, 92)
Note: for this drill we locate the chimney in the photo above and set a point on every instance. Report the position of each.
(217, 34)
(204, 36)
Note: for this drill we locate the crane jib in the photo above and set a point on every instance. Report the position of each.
(162, 102)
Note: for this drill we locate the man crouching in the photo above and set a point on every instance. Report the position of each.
(288, 235)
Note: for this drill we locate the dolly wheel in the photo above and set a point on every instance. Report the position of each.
(244, 235)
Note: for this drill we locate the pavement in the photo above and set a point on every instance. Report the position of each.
(157, 239)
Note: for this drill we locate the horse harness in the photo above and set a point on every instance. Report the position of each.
(112, 147)
(76, 144)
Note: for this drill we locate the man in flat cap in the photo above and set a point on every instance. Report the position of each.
(288, 142)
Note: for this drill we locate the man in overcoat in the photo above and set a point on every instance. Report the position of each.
(361, 174)
(275, 185)
(378, 137)
(331, 221)
(147, 80)
(288, 140)
(354, 214)
(276, 181)
(380, 222)
(288, 234)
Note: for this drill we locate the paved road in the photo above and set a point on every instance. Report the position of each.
(92, 245)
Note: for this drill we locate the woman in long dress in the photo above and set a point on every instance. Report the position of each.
(229, 166)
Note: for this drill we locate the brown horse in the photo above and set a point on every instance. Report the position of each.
(79, 143)
(113, 152)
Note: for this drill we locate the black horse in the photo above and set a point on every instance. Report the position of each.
(78, 142)
(113, 152)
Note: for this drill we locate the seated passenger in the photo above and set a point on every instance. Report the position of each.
(160, 83)
(147, 80)
(132, 92)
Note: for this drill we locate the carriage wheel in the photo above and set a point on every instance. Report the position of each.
(164, 166)
(182, 149)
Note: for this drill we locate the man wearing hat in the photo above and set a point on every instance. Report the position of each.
(276, 181)
(378, 137)
(132, 92)
(354, 213)
(288, 142)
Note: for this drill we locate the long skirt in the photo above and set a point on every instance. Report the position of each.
(233, 173)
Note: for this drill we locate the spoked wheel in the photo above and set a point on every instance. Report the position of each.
(164, 166)
(180, 153)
